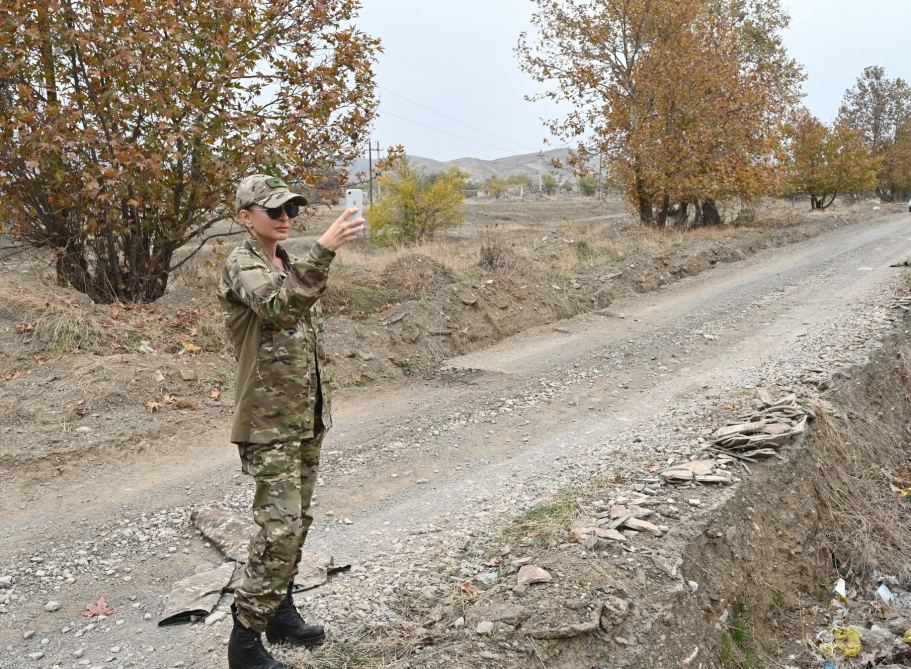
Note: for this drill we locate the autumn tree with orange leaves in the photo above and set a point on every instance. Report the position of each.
(685, 100)
(825, 162)
(879, 108)
(124, 126)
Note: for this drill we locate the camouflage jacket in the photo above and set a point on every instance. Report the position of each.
(275, 321)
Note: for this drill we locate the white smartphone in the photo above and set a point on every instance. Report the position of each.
(354, 197)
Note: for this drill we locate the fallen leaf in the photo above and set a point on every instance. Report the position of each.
(493, 562)
(99, 608)
(152, 406)
(468, 590)
(15, 374)
(505, 549)
(215, 394)
(190, 347)
(187, 403)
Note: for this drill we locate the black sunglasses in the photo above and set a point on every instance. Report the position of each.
(290, 208)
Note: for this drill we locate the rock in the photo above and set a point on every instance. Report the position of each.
(28, 635)
(611, 534)
(187, 374)
(631, 510)
(688, 471)
(50, 607)
(6, 582)
(508, 614)
(459, 622)
(467, 298)
(485, 628)
(411, 333)
(530, 574)
(486, 578)
(35, 656)
(573, 629)
(216, 617)
(643, 526)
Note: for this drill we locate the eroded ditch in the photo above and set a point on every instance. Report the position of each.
(746, 579)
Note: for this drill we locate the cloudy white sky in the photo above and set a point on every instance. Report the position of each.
(451, 86)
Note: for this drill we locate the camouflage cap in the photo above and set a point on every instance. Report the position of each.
(266, 191)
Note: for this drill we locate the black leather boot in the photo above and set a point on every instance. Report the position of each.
(246, 650)
(288, 626)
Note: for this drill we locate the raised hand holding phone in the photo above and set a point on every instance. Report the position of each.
(345, 228)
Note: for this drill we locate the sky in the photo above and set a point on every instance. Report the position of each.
(450, 85)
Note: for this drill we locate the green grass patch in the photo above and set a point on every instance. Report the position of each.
(543, 523)
(738, 642)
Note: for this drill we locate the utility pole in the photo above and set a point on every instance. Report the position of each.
(370, 167)
(377, 181)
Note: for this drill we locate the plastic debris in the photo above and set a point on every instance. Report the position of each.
(841, 592)
(885, 594)
(847, 641)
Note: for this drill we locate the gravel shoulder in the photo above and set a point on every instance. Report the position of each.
(427, 471)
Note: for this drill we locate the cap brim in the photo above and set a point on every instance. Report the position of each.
(278, 199)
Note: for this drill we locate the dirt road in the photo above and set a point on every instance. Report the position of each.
(440, 460)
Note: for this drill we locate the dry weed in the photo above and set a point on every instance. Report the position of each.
(866, 518)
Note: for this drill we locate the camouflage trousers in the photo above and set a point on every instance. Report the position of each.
(285, 475)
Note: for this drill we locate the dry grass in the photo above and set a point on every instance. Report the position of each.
(49, 321)
(445, 251)
(864, 463)
(56, 320)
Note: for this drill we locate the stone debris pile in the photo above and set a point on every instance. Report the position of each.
(616, 522)
(708, 470)
(761, 432)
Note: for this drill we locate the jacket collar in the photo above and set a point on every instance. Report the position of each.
(254, 246)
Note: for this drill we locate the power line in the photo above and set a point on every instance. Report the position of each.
(445, 132)
(453, 118)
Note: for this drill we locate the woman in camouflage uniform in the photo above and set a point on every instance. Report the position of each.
(281, 405)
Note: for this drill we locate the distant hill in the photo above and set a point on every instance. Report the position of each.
(531, 164)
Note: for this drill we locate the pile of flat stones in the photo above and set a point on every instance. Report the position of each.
(763, 431)
(616, 521)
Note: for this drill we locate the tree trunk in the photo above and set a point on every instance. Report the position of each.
(697, 214)
(886, 195)
(644, 200)
(683, 214)
(73, 269)
(662, 212)
(710, 215)
(823, 205)
(645, 211)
